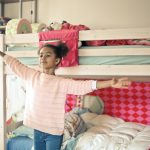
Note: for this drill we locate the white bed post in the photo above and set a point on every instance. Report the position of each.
(2, 100)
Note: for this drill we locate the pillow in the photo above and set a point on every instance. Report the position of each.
(93, 103)
(87, 117)
(74, 125)
(23, 131)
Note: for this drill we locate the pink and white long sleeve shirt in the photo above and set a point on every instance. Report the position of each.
(46, 96)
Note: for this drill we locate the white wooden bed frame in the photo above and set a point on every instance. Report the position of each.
(134, 72)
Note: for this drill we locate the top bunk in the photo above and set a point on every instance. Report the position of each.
(133, 61)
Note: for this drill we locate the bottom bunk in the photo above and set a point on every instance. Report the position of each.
(85, 130)
(88, 125)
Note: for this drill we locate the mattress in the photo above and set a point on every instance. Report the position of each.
(114, 60)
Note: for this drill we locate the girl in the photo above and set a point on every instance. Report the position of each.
(46, 94)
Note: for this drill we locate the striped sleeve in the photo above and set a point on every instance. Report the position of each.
(18, 68)
(80, 87)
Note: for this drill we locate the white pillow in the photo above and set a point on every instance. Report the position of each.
(23, 131)
(87, 117)
(94, 103)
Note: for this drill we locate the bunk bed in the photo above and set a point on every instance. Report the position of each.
(136, 71)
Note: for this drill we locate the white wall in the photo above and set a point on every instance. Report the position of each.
(93, 13)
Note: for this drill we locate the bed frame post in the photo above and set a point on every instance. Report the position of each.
(2, 100)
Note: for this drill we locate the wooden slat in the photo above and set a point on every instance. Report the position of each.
(25, 39)
(22, 53)
(21, 38)
(100, 70)
(2, 100)
(88, 72)
(106, 34)
(98, 51)
(110, 34)
(105, 70)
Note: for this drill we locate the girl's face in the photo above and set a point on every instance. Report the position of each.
(47, 58)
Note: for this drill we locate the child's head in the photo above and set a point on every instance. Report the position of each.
(50, 55)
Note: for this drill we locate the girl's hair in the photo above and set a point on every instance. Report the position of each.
(60, 50)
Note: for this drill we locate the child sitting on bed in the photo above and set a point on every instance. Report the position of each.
(46, 94)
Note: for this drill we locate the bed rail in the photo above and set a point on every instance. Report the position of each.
(96, 71)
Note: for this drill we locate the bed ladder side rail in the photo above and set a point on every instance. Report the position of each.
(2, 99)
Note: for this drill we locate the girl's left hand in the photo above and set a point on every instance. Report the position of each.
(120, 83)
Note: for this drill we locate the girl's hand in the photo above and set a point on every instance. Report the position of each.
(120, 83)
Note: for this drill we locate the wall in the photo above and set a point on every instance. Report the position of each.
(93, 13)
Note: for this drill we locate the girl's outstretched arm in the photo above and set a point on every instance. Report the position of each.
(17, 67)
(115, 83)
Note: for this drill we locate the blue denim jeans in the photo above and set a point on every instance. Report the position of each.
(45, 141)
